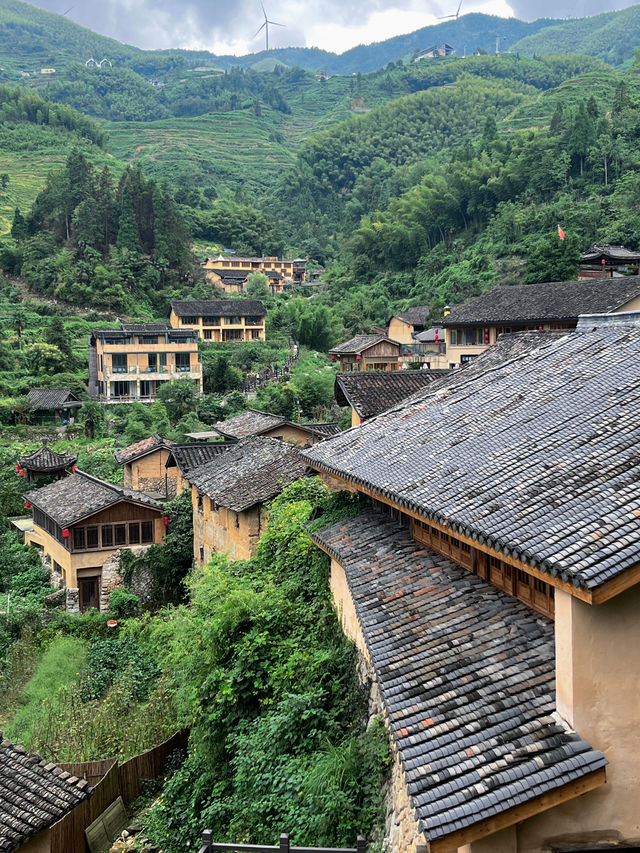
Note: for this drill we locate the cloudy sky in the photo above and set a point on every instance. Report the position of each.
(228, 26)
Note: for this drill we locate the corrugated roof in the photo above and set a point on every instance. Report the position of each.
(466, 675)
(252, 472)
(372, 393)
(218, 308)
(552, 301)
(34, 794)
(536, 454)
(80, 495)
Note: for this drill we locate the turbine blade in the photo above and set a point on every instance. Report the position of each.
(459, 7)
(260, 29)
(276, 24)
(263, 11)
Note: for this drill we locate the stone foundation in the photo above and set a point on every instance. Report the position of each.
(141, 582)
(73, 600)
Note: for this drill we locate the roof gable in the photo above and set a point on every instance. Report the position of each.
(550, 301)
(80, 496)
(186, 457)
(252, 472)
(536, 454)
(247, 423)
(50, 398)
(361, 343)
(371, 393)
(414, 316)
(142, 448)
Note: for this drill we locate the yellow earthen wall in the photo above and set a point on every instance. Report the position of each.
(400, 331)
(147, 474)
(216, 530)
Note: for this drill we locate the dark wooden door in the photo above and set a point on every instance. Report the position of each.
(89, 593)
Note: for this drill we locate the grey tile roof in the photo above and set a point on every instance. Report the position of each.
(250, 422)
(560, 301)
(146, 328)
(466, 675)
(189, 456)
(50, 398)
(372, 393)
(141, 448)
(80, 495)
(254, 471)
(618, 254)
(34, 794)
(415, 316)
(45, 459)
(360, 343)
(536, 454)
(218, 307)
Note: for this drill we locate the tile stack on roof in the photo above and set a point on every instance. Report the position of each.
(52, 398)
(356, 345)
(253, 471)
(45, 459)
(561, 301)
(187, 457)
(80, 495)
(371, 393)
(536, 455)
(34, 794)
(250, 422)
(141, 448)
(466, 675)
(218, 308)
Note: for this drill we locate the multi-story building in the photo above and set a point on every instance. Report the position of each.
(230, 272)
(80, 523)
(493, 589)
(220, 319)
(556, 305)
(132, 363)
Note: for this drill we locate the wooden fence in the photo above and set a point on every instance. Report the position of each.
(109, 781)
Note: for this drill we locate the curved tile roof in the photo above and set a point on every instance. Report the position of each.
(537, 455)
(466, 676)
(372, 393)
(45, 459)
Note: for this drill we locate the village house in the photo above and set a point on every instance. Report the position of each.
(145, 470)
(229, 494)
(132, 363)
(367, 352)
(220, 319)
(404, 326)
(608, 262)
(254, 422)
(80, 523)
(184, 458)
(53, 406)
(493, 589)
(34, 795)
(224, 270)
(436, 51)
(478, 322)
(368, 394)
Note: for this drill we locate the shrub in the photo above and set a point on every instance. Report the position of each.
(124, 604)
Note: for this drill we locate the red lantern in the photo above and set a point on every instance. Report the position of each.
(409, 352)
(21, 473)
(65, 533)
(165, 520)
(539, 328)
(437, 341)
(603, 262)
(333, 358)
(59, 411)
(358, 357)
(27, 504)
(486, 336)
(74, 469)
(18, 468)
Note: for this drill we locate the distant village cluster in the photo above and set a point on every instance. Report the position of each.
(491, 585)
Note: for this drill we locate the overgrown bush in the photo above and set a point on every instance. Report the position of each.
(124, 604)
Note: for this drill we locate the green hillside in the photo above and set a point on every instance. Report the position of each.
(611, 36)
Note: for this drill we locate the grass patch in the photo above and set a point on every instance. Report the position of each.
(59, 667)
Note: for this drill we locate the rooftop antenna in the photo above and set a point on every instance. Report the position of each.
(456, 16)
(265, 25)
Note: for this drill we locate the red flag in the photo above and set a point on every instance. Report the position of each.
(560, 233)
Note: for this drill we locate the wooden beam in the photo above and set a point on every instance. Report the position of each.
(546, 577)
(522, 812)
(625, 580)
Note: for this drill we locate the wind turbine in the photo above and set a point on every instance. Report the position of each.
(265, 25)
(456, 16)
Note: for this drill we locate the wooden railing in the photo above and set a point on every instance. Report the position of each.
(211, 846)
